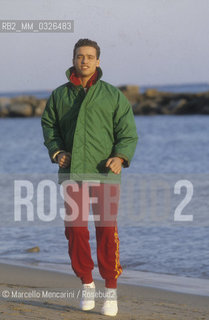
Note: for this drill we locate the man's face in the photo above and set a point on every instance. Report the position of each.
(85, 61)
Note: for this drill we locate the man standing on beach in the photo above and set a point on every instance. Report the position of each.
(89, 130)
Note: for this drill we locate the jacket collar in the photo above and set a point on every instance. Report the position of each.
(74, 79)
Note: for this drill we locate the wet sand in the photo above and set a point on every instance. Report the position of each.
(135, 302)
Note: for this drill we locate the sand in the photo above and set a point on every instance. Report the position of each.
(135, 302)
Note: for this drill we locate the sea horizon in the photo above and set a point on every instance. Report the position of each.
(173, 88)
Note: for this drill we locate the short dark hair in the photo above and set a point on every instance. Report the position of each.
(86, 43)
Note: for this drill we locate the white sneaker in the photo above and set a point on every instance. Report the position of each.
(88, 297)
(110, 306)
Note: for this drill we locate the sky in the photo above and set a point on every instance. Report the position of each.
(143, 42)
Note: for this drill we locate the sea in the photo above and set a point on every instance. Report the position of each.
(163, 218)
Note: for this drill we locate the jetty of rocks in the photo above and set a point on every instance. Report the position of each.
(150, 102)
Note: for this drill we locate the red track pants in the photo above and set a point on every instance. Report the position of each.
(104, 200)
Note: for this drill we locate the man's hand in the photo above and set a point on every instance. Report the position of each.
(115, 164)
(63, 159)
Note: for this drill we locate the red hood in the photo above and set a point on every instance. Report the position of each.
(74, 78)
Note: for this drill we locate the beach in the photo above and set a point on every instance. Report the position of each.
(42, 294)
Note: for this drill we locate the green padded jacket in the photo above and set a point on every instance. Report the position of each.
(92, 126)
